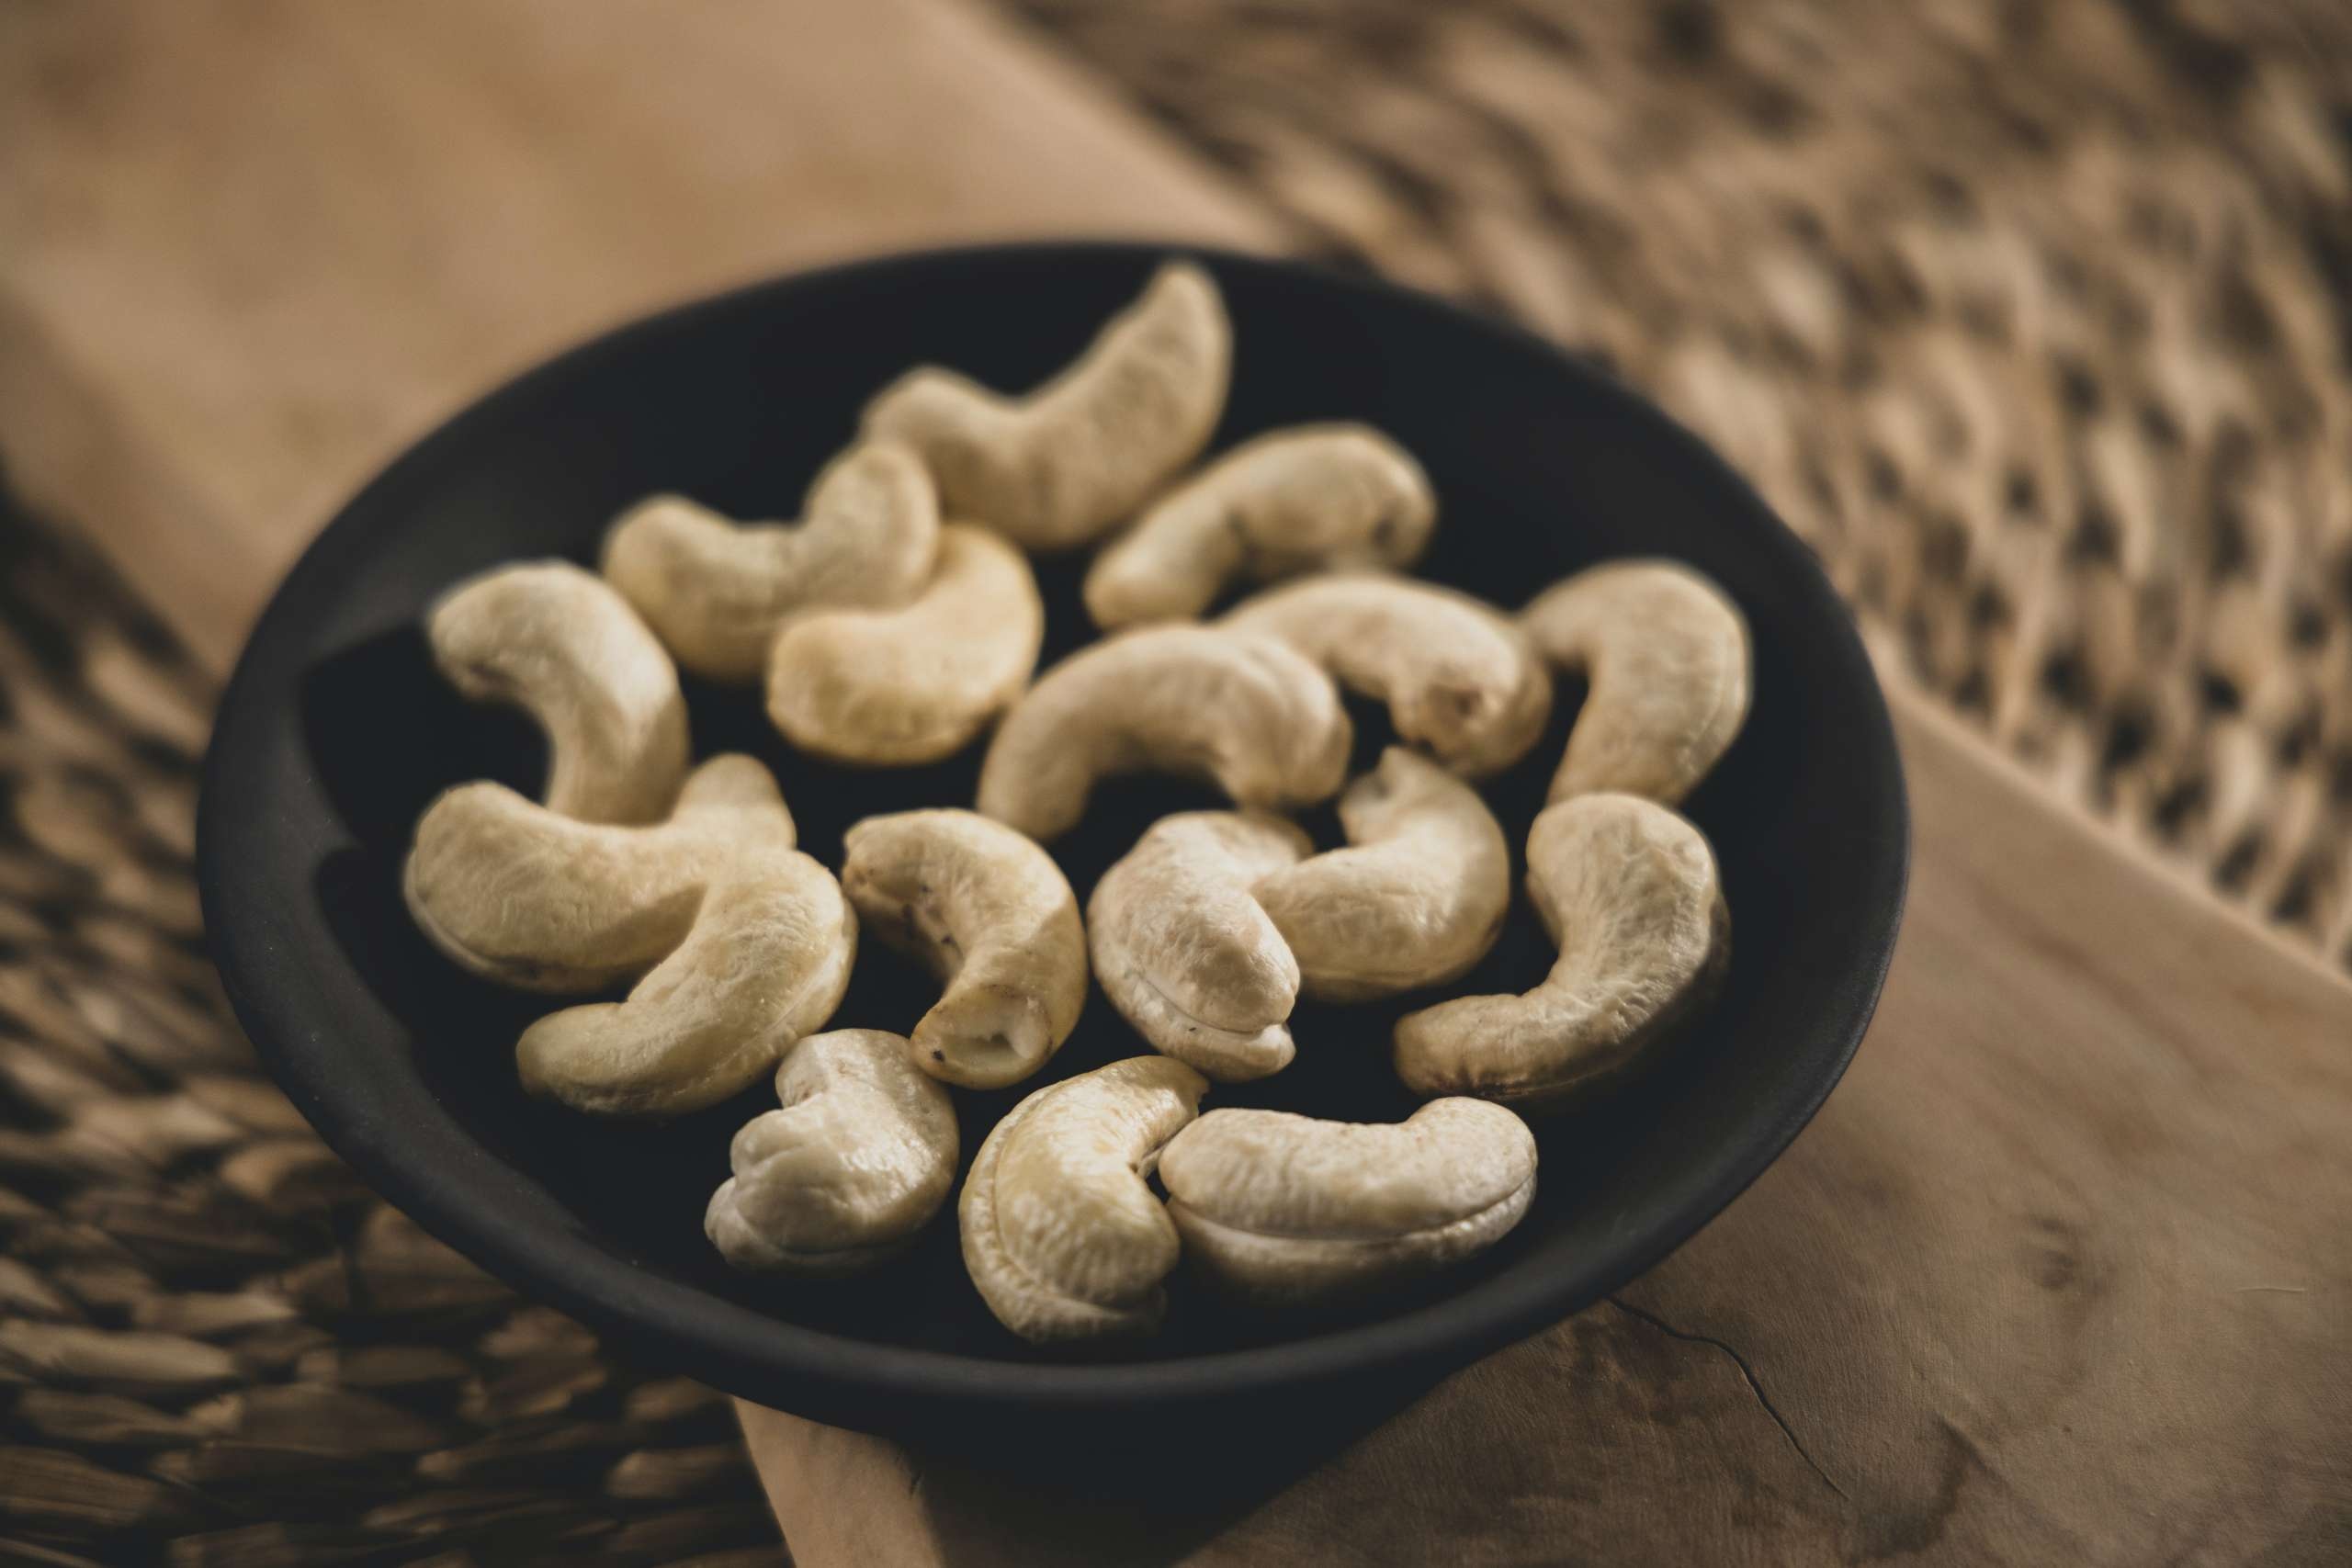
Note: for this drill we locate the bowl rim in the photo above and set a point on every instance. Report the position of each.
(827, 1376)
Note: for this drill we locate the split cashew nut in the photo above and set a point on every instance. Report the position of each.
(1262, 721)
(1185, 951)
(913, 684)
(556, 642)
(1667, 658)
(1318, 497)
(1285, 1209)
(1629, 892)
(856, 1162)
(716, 591)
(1416, 900)
(1057, 467)
(521, 894)
(1458, 678)
(1061, 1231)
(991, 913)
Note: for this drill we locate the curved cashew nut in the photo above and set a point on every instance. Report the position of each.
(1183, 950)
(1417, 897)
(1666, 655)
(1264, 723)
(521, 894)
(1319, 496)
(716, 591)
(556, 642)
(1629, 892)
(766, 961)
(990, 913)
(857, 1161)
(1061, 1233)
(1057, 467)
(915, 683)
(1458, 678)
(1285, 1209)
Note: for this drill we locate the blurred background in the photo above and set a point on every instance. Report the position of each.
(2029, 317)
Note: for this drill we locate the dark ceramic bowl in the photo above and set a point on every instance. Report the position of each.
(335, 733)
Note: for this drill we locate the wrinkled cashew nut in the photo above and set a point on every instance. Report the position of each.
(716, 592)
(1284, 1210)
(1061, 1231)
(1059, 465)
(1630, 893)
(1666, 655)
(556, 642)
(1417, 899)
(913, 684)
(857, 1161)
(991, 913)
(523, 896)
(1318, 497)
(1185, 951)
(1458, 678)
(1260, 721)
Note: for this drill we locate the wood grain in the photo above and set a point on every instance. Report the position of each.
(254, 247)
(2059, 1274)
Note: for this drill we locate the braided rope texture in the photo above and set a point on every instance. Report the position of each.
(216, 1347)
(2028, 317)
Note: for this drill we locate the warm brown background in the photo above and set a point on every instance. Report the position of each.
(2027, 315)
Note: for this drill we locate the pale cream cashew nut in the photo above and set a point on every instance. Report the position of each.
(524, 895)
(1057, 467)
(1417, 897)
(991, 914)
(1315, 497)
(1061, 1231)
(1666, 655)
(1185, 951)
(717, 591)
(1285, 1210)
(860, 1156)
(1263, 722)
(1630, 893)
(1458, 677)
(560, 644)
(919, 682)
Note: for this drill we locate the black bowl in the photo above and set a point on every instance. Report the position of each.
(335, 733)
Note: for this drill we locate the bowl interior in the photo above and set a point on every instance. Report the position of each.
(337, 733)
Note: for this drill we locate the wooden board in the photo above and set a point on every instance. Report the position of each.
(2059, 1275)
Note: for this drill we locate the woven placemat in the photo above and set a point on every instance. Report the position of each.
(2028, 317)
(215, 1346)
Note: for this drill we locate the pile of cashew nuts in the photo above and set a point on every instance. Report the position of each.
(899, 622)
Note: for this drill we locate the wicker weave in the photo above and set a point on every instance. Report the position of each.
(2027, 316)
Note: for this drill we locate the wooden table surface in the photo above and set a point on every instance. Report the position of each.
(2059, 1273)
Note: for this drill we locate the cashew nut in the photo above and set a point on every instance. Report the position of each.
(1262, 721)
(1185, 951)
(1061, 1233)
(521, 894)
(1284, 1209)
(716, 591)
(556, 642)
(991, 913)
(856, 1162)
(915, 683)
(1317, 496)
(1629, 892)
(1458, 678)
(1417, 897)
(1083, 451)
(1667, 656)
(765, 962)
